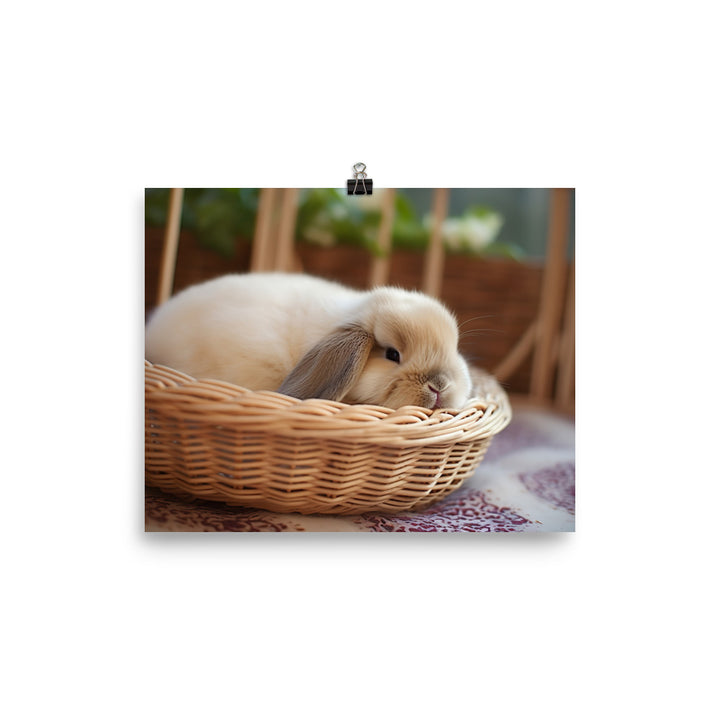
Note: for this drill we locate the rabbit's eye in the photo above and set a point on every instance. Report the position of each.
(392, 354)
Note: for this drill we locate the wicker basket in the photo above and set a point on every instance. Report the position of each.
(217, 441)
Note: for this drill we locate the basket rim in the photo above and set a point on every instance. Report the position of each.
(217, 402)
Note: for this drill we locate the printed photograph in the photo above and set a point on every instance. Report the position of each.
(360, 359)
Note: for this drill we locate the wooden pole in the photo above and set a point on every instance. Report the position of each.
(512, 361)
(435, 256)
(286, 229)
(552, 293)
(262, 257)
(380, 270)
(170, 245)
(566, 363)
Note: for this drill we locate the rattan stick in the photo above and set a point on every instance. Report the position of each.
(262, 249)
(435, 255)
(566, 365)
(286, 229)
(552, 293)
(512, 361)
(380, 270)
(170, 245)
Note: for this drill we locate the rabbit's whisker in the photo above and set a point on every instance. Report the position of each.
(472, 319)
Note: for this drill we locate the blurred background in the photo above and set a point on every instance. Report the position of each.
(505, 266)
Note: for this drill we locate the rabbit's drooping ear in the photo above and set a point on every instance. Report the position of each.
(329, 369)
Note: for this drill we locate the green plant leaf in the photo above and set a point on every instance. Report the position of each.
(479, 211)
(503, 249)
(404, 209)
(156, 205)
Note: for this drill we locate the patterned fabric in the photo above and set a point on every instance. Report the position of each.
(525, 483)
(463, 511)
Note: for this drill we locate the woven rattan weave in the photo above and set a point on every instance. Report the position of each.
(214, 440)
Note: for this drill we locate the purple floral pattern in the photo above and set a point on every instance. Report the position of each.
(555, 485)
(463, 511)
(168, 513)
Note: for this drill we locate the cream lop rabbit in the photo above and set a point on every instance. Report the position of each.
(307, 337)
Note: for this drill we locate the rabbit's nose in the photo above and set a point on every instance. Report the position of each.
(438, 383)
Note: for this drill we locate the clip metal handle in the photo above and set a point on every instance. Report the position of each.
(358, 175)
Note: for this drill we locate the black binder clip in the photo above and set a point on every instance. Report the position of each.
(360, 184)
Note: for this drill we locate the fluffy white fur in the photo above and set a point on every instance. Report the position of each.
(254, 330)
